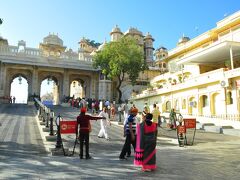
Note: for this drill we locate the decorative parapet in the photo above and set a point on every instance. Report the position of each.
(34, 52)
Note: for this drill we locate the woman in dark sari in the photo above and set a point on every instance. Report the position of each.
(145, 152)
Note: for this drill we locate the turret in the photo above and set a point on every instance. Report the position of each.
(52, 46)
(116, 33)
(161, 53)
(148, 48)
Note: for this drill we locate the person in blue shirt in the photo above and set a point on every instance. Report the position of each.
(130, 134)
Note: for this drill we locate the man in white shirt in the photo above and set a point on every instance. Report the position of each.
(104, 123)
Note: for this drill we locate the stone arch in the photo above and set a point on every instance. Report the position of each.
(184, 104)
(192, 104)
(13, 73)
(19, 89)
(229, 99)
(57, 84)
(84, 81)
(214, 102)
(77, 88)
(166, 107)
(176, 105)
(203, 105)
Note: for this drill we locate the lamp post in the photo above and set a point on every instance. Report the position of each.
(20, 79)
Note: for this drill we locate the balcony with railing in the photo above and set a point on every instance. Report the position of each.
(205, 78)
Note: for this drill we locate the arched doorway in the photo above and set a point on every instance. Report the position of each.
(192, 106)
(78, 89)
(203, 105)
(216, 102)
(49, 90)
(19, 89)
(167, 106)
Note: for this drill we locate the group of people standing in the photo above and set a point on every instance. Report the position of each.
(142, 136)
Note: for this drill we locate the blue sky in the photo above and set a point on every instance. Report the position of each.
(166, 20)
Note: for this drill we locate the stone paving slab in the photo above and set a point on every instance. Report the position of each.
(213, 156)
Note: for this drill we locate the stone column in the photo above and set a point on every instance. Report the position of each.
(65, 85)
(2, 78)
(35, 86)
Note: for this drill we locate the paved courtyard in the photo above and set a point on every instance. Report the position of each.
(23, 153)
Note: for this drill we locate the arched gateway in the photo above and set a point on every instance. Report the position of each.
(51, 61)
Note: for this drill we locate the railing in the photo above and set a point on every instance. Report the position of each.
(32, 52)
(201, 79)
(230, 117)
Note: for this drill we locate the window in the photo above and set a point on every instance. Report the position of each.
(205, 100)
(184, 104)
(229, 98)
(168, 106)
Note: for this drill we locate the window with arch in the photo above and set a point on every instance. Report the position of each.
(168, 106)
(229, 98)
(205, 100)
(184, 104)
(176, 106)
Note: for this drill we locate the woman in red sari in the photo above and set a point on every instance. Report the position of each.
(145, 152)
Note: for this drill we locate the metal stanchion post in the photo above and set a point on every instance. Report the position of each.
(44, 114)
(47, 117)
(59, 138)
(51, 122)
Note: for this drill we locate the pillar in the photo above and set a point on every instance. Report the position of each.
(65, 85)
(35, 87)
(2, 78)
(231, 57)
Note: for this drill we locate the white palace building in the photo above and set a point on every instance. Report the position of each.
(200, 77)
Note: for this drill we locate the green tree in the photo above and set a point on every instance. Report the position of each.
(121, 59)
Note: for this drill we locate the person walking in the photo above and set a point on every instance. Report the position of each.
(144, 113)
(130, 131)
(84, 121)
(104, 124)
(14, 99)
(156, 114)
(173, 118)
(146, 140)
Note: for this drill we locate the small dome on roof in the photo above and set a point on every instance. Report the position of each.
(102, 46)
(116, 29)
(132, 30)
(183, 39)
(161, 48)
(53, 39)
(148, 36)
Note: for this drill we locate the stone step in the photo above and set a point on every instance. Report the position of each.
(45, 129)
(227, 127)
(51, 138)
(232, 132)
(42, 123)
(215, 129)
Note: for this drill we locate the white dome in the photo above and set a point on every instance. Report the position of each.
(102, 46)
